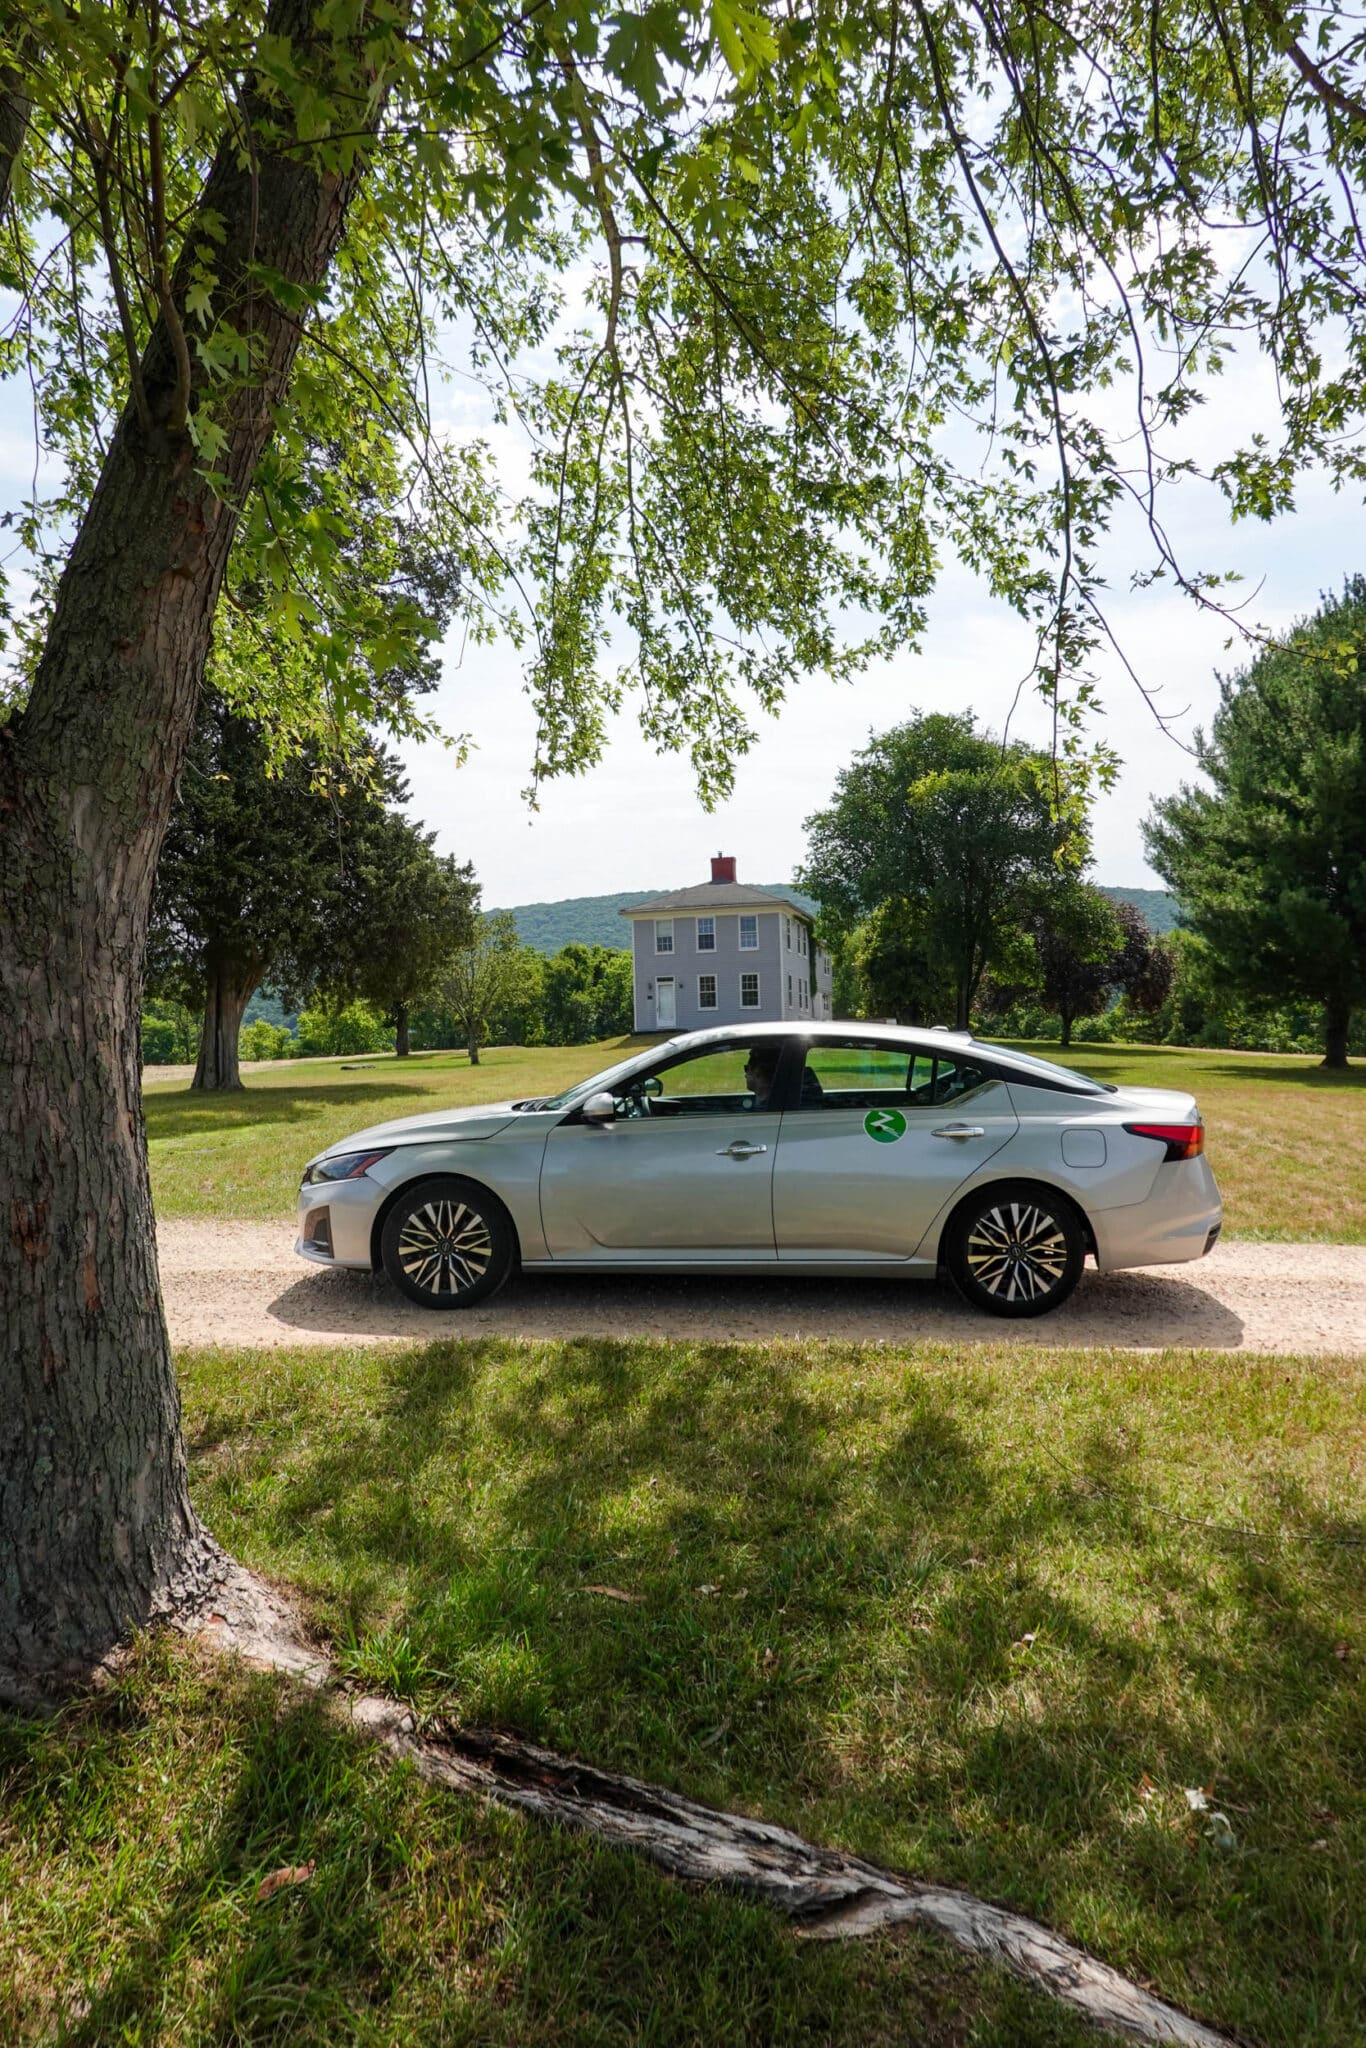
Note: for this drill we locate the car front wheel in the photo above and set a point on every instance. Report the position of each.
(447, 1244)
(1015, 1250)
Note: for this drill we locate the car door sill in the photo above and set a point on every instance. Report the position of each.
(704, 1262)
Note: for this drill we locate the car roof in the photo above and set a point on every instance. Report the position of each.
(797, 1027)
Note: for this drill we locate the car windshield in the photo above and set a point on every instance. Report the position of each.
(596, 1083)
(1049, 1070)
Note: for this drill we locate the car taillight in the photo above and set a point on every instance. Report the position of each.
(1183, 1141)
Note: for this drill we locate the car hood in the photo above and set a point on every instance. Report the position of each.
(481, 1120)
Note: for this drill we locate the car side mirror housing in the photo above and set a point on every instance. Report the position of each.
(599, 1109)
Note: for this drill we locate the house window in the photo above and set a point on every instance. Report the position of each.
(749, 991)
(801, 990)
(789, 991)
(787, 933)
(706, 937)
(801, 940)
(749, 934)
(706, 991)
(664, 935)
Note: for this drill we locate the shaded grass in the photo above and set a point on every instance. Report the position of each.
(983, 1616)
(135, 1832)
(1287, 1141)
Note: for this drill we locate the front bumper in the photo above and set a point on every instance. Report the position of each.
(351, 1207)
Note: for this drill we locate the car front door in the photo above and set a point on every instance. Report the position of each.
(683, 1171)
(878, 1141)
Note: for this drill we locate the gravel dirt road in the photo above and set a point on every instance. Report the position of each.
(242, 1284)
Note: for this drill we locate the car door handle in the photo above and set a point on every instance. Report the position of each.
(960, 1131)
(740, 1151)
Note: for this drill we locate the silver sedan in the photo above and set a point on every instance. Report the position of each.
(824, 1149)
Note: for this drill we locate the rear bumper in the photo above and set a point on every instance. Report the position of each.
(1179, 1220)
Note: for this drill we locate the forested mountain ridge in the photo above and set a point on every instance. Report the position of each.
(593, 920)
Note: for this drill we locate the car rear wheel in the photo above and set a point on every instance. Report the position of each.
(447, 1244)
(1015, 1250)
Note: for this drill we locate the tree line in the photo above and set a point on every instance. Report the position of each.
(953, 871)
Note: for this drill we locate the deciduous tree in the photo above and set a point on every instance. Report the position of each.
(958, 831)
(589, 993)
(482, 977)
(829, 241)
(406, 909)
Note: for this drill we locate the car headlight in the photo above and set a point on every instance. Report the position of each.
(344, 1166)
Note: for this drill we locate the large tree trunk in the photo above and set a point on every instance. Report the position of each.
(1337, 1024)
(229, 987)
(1065, 1036)
(97, 1533)
(401, 1045)
(472, 1041)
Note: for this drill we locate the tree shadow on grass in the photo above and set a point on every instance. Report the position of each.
(867, 1615)
(150, 1818)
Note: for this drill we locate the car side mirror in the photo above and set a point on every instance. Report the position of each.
(599, 1109)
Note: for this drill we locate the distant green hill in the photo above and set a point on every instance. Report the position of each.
(1155, 904)
(593, 920)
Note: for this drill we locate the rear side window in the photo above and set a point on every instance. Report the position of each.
(847, 1075)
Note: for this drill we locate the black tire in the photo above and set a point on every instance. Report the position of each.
(447, 1243)
(1016, 1249)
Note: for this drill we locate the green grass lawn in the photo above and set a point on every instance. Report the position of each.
(981, 1615)
(1287, 1141)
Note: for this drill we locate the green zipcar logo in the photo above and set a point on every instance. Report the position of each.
(885, 1125)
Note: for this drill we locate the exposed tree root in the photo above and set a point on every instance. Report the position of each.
(827, 1896)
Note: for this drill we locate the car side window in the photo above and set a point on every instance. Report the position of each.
(843, 1074)
(954, 1079)
(712, 1082)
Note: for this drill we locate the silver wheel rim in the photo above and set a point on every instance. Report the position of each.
(445, 1248)
(1017, 1251)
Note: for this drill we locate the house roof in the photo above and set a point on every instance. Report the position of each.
(720, 896)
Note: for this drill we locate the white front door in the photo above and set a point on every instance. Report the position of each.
(666, 1010)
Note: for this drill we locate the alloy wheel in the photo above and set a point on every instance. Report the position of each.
(1017, 1252)
(445, 1248)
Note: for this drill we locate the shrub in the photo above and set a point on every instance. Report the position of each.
(265, 1041)
(325, 1033)
(158, 1042)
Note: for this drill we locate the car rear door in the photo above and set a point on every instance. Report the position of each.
(879, 1140)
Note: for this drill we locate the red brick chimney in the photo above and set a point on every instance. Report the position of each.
(723, 867)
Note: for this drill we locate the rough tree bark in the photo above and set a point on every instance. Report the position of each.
(97, 1533)
(401, 1044)
(229, 986)
(15, 105)
(1337, 1023)
(472, 1041)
